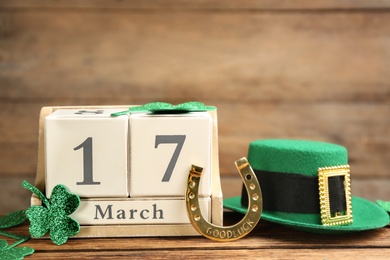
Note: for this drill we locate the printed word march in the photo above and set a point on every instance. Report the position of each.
(107, 213)
(136, 211)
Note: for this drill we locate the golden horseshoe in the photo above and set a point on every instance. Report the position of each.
(225, 233)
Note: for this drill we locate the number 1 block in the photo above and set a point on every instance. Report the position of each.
(163, 148)
(86, 150)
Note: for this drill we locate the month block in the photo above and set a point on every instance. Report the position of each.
(86, 150)
(163, 148)
(137, 211)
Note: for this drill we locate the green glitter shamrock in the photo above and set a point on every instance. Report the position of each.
(12, 252)
(13, 219)
(53, 216)
(163, 108)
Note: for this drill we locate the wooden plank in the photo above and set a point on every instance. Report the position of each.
(346, 124)
(187, 4)
(72, 55)
(19, 122)
(334, 121)
(18, 158)
(369, 253)
(265, 236)
(14, 197)
(267, 240)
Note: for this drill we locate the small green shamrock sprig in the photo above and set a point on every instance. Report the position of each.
(53, 216)
(11, 251)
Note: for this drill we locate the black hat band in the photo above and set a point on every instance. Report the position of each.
(297, 193)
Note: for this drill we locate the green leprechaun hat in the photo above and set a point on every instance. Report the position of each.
(306, 185)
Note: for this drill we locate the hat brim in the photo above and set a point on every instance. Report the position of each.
(366, 216)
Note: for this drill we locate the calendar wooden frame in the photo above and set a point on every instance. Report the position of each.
(138, 230)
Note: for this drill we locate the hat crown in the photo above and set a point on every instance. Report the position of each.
(295, 156)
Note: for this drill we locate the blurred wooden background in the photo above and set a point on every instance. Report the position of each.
(316, 70)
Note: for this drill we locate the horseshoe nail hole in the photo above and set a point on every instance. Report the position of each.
(252, 186)
(255, 196)
(248, 177)
(191, 195)
(194, 207)
(192, 184)
(196, 217)
(255, 208)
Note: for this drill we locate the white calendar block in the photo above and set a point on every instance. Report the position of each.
(86, 150)
(163, 148)
(137, 211)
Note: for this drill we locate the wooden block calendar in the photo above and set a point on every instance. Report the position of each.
(130, 170)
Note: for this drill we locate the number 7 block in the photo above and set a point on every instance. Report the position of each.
(162, 149)
(86, 150)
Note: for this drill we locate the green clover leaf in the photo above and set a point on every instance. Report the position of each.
(11, 252)
(167, 108)
(13, 219)
(39, 220)
(53, 216)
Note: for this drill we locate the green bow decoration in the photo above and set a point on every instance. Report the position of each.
(53, 216)
(11, 251)
(167, 108)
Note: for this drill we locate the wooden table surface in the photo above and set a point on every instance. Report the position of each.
(267, 240)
